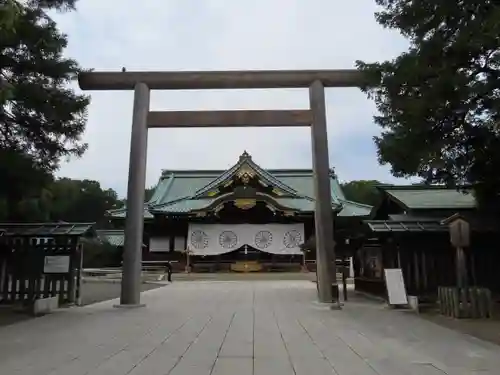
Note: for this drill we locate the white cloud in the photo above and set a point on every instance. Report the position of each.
(219, 35)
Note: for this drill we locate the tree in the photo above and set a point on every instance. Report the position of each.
(362, 191)
(9, 12)
(80, 201)
(148, 194)
(41, 118)
(439, 102)
(23, 187)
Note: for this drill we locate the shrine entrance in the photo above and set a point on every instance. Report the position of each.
(246, 247)
(143, 118)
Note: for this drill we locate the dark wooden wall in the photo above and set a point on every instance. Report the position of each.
(428, 261)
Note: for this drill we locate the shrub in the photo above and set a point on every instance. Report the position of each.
(97, 255)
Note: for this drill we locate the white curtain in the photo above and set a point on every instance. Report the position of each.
(214, 239)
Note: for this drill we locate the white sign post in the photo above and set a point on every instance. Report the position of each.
(56, 264)
(395, 284)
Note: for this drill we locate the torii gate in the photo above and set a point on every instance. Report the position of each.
(143, 118)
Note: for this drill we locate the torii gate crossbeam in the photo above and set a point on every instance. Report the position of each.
(315, 117)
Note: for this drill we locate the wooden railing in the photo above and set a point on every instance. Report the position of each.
(473, 302)
(25, 275)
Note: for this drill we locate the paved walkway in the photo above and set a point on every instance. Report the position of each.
(243, 328)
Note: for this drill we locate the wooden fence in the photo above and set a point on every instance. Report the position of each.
(472, 302)
(34, 268)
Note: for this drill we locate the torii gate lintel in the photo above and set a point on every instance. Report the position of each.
(315, 117)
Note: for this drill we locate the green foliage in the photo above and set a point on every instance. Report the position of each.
(148, 194)
(97, 255)
(23, 185)
(439, 102)
(362, 191)
(63, 200)
(80, 201)
(41, 118)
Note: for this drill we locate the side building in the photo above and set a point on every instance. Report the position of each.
(409, 229)
(245, 216)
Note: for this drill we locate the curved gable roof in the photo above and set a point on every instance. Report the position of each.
(246, 160)
(178, 190)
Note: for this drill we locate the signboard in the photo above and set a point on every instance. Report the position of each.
(56, 264)
(395, 284)
(460, 233)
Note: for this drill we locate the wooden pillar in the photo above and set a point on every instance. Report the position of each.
(461, 267)
(188, 261)
(425, 281)
(323, 212)
(417, 270)
(448, 261)
(3, 273)
(472, 268)
(407, 264)
(431, 269)
(134, 222)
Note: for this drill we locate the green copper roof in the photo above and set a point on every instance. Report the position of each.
(47, 229)
(350, 208)
(183, 205)
(405, 226)
(121, 212)
(177, 190)
(299, 204)
(175, 185)
(115, 237)
(430, 197)
(188, 204)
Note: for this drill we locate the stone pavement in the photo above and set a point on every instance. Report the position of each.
(221, 328)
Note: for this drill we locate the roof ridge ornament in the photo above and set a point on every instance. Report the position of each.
(332, 172)
(245, 156)
(245, 166)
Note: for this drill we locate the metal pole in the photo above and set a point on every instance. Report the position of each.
(134, 225)
(323, 213)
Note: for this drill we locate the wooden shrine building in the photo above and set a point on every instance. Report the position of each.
(243, 218)
(409, 230)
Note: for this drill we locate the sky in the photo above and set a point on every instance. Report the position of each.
(175, 35)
